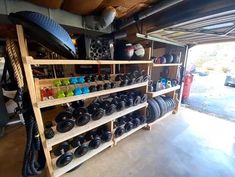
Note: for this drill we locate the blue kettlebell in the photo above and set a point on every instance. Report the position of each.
(85, 90)
(77, 91)
(73, 80)
(81, 79)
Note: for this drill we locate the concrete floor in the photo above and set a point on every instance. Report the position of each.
(189, 144)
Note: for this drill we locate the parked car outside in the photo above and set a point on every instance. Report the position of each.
(230, 79)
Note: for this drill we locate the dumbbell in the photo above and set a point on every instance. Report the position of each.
(107, 86)
(85, 90)
(107, 77)
(135, 121)
(108, 107)
(120, 104)
(92, 88)
(82, 149)
(122, 79)
(64, 121)
(120, 121)
(81, 115)
(113, 84)
(104, 133)
(100, 87)
(48, 131)
(94, 78)
(119, 132)
(128, 126)
(128, 100)
(87, 78)
(96, 111)
(65, 156)
(101, 77)
(95, 140)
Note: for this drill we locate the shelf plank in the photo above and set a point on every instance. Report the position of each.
(60, 137)
(116, 140)
(167, 64)
(30, 60)
(77, 161)
(58, 101)
(164, 91)
(159, 119)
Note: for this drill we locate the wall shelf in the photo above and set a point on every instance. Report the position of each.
(163, 91)
(30, 60)
(77, 161)
(116, 140)
(60, 137)
(167, 64)
(159, 119)
(47, 103)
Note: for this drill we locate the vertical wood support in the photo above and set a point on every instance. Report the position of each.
(182, 84)
(31, 88)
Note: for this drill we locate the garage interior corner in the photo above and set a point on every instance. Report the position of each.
(188, 144)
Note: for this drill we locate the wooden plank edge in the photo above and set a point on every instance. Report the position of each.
(77, 161)
(169, 64)
(58, 101)
(60, 137)
(116, 140)
(30, 60)
(163, 91)
(159, 119)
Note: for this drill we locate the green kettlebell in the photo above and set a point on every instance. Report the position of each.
(69, 93)
(65, 82)
(57, 83)
(60, 94)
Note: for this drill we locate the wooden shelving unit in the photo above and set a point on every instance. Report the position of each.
(161, 46)
(164, 91)
(37, 103)
(60, 137)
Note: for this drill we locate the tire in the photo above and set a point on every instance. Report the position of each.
(153, 111)
(162, 105)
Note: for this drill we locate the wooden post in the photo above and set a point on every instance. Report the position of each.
(31, 88)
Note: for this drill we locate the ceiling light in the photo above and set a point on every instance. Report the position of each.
(221, 25)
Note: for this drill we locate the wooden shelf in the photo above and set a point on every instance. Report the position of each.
(58, 101)
(77, 161)
(159, 119)
(30, 60)
(60, 137)
(164, 91)
(116, 140)
(167, 64)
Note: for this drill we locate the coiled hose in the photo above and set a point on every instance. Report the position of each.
(34, 158)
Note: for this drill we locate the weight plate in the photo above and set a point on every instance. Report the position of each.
(119, 132)
(65, 126)
(81, 151)
(106, 136)
(64, 159)
(98, 114)
(61, 148)
(63, 116)
(95, 143)
(153, 110)
(83, 119)
(128, 126)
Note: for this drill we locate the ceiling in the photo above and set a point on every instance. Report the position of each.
(124, 8)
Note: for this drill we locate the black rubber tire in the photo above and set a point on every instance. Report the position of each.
(162, 105)
(153, 110)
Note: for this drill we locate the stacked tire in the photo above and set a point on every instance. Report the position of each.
(159, 106)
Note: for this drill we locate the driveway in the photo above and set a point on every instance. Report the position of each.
(209, 95)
